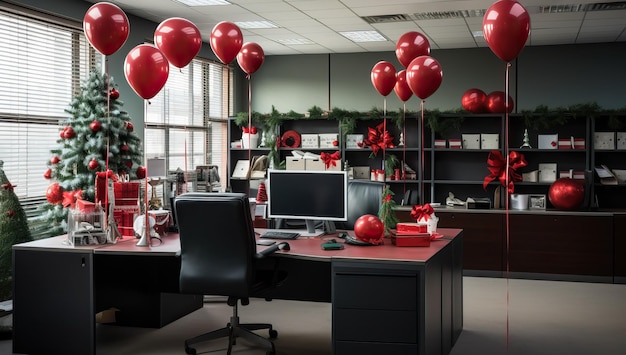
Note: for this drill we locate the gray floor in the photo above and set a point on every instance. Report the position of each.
(543, 317)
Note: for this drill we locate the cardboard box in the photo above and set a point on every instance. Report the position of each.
(489, 141)
(440, 143)
(531, 176)
(579, 143)
(566, 143)
(471, 141)
(548, 141)
(604, 140)
(294, 163)
(547, 172)
(353, 140)
(309, 141)
(314, 164)
(620, 140)
(327, 140)
(454, 143)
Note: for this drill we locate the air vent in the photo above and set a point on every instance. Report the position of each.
(448, 14)
(386, 18)
(605, 6)
(601, 6)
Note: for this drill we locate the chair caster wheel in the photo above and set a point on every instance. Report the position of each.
(190, 351)
(273, 334)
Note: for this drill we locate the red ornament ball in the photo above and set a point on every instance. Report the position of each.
(141, 172)
(10, 213)
(68, 132)
(95, 126)
(93, 164)
(566, 194)
(369, 228)
(128, 163)
(48, 174)
(474, 100)
(124, 148)
(496, 104)
(114, 94)
(54, 193)
(129, 126)
(55, 160)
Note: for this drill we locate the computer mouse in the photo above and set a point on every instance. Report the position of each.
(284, 246)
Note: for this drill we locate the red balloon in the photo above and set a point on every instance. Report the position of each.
(566, 194)
(179, 40)
(146, 70)
(474, 100)
(106, 27)
(369, 228)
(424, 76)
(383, 77)
(251, 57)
(402, 89)
(54, 193)
(496, 103)
(226, 41)
(410, 46)
(506, 26)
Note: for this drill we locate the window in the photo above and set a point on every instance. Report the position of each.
(43, 64)
(186, 123)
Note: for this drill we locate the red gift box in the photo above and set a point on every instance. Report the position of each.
(454, 143)
(440, 143)
(85, 206)
(125, 217)
(126, 193)
(579, 143)
(410, 240)
(565, 144)
(411, 228)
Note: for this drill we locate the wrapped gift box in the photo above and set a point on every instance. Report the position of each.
(604, 140)
(310, 141)
(548, 141)
(454, 143)
(565, 143)
(85, 206)
(471, 141)
(620, 140)
(353, 140)
(440, 143)
(579, 143)
(411, 228)
(566, 174)
(335, 167)
(578, 175)
(547, 172)
(125, 217)
(489, 141)
(327, 140)
(126, 193)
(410, 240)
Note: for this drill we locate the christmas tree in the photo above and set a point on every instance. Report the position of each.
(13, 230)
(97, 126)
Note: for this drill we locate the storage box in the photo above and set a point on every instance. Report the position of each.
(566, 143)
(354, 140)
(604, 140)
(309, 141)
(548, 141)
(579, 143)
(566, 174)
(531, 176)
(294, 163)
(519, 201)
(620, 175)
(335, 167)
(578, 175)
(411, 240)
(471, 141)
(620, 140)
(314, 164)
(547, 172)
(361, 172)
(489, 141)
(454, 143)
(328, 140)
(440, 143)
(411, 228)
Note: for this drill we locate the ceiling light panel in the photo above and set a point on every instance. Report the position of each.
(248, 25)
(203, 2)
(363, 36)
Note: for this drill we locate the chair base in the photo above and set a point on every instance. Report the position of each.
(233, 332)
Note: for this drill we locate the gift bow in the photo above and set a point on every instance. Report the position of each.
(107, 174)
(70, 197)
(498, 169)
(419, 212)
(330, 159)
(378, 138)
(251, 129)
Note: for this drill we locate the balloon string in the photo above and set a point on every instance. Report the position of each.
(249, 77)
(108, 139)
(506, 194)
(421, 177)
(403, 177)
(384, 132)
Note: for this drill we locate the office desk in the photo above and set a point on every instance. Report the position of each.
(386, 299)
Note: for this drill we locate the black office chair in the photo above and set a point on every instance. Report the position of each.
(219, 257)
(364, 197)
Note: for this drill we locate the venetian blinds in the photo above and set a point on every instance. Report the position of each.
(43, 64)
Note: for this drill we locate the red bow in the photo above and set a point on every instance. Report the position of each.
(70, 197)
(498, 169)
(330, 159)
(251, 129)
(378, 139)
(8, 186)
(419, 212)
(104, 174)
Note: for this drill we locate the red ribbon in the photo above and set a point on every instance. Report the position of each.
(497, 168)
(70, 197)
(378, 139)
(419, 212)
(8, 186)
(330, 159)
(251, 130)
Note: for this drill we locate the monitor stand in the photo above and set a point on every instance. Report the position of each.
(310, 229)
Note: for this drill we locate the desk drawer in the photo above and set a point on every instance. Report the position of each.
(375, 325)
(364, 348)
(390, 292)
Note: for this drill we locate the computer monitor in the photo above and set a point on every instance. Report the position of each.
(308, 195)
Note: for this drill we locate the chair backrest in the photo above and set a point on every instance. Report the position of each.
(217, 243)
(364, 197)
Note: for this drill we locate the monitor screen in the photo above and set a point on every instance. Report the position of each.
(308, 195)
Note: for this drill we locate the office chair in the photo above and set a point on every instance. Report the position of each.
(364, 197)
(218, 257)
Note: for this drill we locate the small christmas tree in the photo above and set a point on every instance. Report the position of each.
(13, 230)
(96, 126)
(386, 212)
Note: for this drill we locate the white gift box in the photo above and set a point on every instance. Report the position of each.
(547, 172)
(604, 140)
(530, 176)
(327, 140)
(489, 141)
(353, 140)
(620, 140)
(309, 141)
(471, 141)
(548, 141)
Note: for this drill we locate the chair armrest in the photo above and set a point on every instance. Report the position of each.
(271, 250)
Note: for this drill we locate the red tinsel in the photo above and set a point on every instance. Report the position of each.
(498, 169)
(378, 139)
(330, 159)
(418, 212)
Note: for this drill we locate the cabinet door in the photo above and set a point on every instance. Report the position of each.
(619, 236)
(611, 154)
(483, 241)
(561, 244)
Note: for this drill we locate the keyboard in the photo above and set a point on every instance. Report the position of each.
(280, 235)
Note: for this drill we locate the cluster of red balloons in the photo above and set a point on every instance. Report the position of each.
(422, 76)
(227, 44)
(477, 101)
